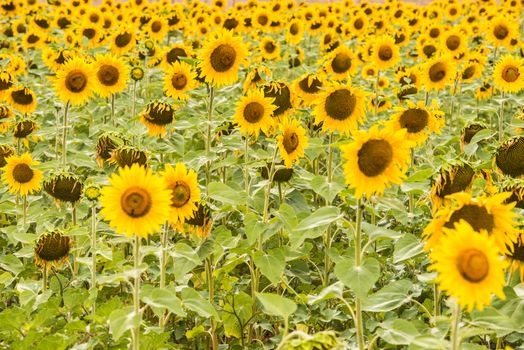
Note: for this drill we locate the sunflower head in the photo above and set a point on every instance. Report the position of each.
(106, 144)
(281, 173)
(179, 79)
(508, 74)
(449, 180)
(92, 192)
(385, 53)
(201, 221)
(137, 73)
(307, 87)
(516, 255)
(469, 131)
(292, 141)
(22, 99)
(510, 157)
(126, 156)
(6, 151)
(52, 249)
(184, 189)
(21, 176)
(438, 72)
(156, 116)
(64, 187)
(111, 75)
(282, 95)
(74, 83)
(254, 112)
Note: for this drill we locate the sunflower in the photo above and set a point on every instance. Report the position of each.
(174, 53)
(254, 79)
(123, 40)
(75, 81)
(126, 156)
(418, 119)
(307, 87)
(111, 75)
(201, 221)
(484, 91)
(221, 58)
(156, 116)
(269, 48)
(438, 72)
(516, 255)
(454, 41)
(33, 40)
(284, 98)
(510, 157)
(6, 82)
(52, 249)
(501, 30)
(136, 202)
(427, 48)
(375, 160)
(450, 179)
(340, 108)
(468, 132)
(292, 141)
(64, 187)
(106, 144)
(23, 128)
(470, 71)
(253, 113)
(295, 31)
(183, 186)
(383, 103)
(157, 28)
(385, 53)
(469, 266)
(489, 213)
(178, 80)
(22, 99)
(369, 72)
(89, 35)
(21, 176)
(6, 116)
(508, 74)
(340, 63)
(14, 64)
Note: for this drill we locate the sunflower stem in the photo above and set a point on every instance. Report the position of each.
(208, 135)
(113, 109)
(436, 300)
(246, 169)
(211, 290)
(501, 119)
(411, 197)
(93, 252)
(24, 209)
(359, 325)
(327, 238)
(163, 263)
(133, 109)
(44, 277)
(136, 291)
(455, 336)
(64, 136)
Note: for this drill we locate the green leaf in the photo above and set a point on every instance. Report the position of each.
(12, 264)
(398, 332)
(197, 303)
(238, 306)
(330, 292)
(276, 305)
(271, 264)
(225, 194)
(407, 247)
(388, 298)
(162, 298)
(322, 217)
(421, 175)
(360, 279)
(122, 320)
(328, 190)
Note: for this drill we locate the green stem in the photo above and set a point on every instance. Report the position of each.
(455, 337)
(211, 289)
(24, 209)
(358, 260)
(501, 119)
(246, 168)
(113, 110)
(327, 238)
(208, 134)
(436, 300)
(44, 277)
(411, 199)
(93, 251)
(163, 263)
(64, 136)
(136, 291)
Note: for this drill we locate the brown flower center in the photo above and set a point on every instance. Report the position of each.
(510, 73)
(290, 141)
(174, 54)
(374, 157)
(253, 112)
(89, 33)
(340, 104)
(32, 39)
(269, 47)
(294, 29)
(500, 32)
(135, 202)
(262, 20)
(341, 63)
(76, 81)
(473, 265)
(510, 157)
(429, 50)
(385, 53)
(414, 119)
(108, 75)
(468, 72)
(180, 194)
(123, 39)
(477, 216)
(434, 33)
(5, 84)
(223, 58)
(310, 86)
(358, 24)
(282, 95)
(453, 42)
(437, 72)
(22, 173)
(21, 97)
(156, 26)
(179, 81)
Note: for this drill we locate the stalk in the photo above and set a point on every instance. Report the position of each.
(358, 257)
(93, 251)
(136, 291)
(113, 109)
(211, 288)
(501, 119)
(24, 209)
(327, 238)
(208, 134)
(455, 337)
(64, 136)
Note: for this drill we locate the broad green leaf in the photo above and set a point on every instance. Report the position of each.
(330, 292)
(238, 306)
(388, 298)
(360, 279)
(122, 320)
(271, 263)
(421, 175)
(276, 305)
(398, 332)
(328, 190)
(162, 298)
(322, 217)
(197, 303)
(407, 247)
(225, 194)
(11, 263)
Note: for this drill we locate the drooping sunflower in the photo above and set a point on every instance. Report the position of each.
(221, 58)
(254, 78)
(183, 185)
(201, 222)
(438, 73)
(136, 201)
(516, 255)
(283, 97)
(52, 249)
(74, 83)
(468, 132)
(111, 75)
(174, 53)
(450, 179)
(157, 116)
(22, 99)
(292, 141)
(375, 160)
(64, 187)
(489, 213)
(340, 63)
(385, 53)
(340, 108)
(510, 157)
(21, 176)
(418, 119)
(126, 156)
(508, 74)
(22, 129)
(254, 113)
(6, 116)
(6, 82)
(307, 87)
(469, 266)
(178, 80)
(123, 40)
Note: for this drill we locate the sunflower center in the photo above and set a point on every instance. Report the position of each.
(453, 42)
(223, 58)
(434, 33)
(108, 75)
(358, 24)
(414, 119)
(429, 50)
(341, 63)
(294, 29)
(123, 39)
(517, 253)
(477, 216)
(340, 104)
(156, 26)
(22, 173)
(262, 20)
(500, 32)
(269, 47)
(135, 202)
(21, 97)
(180, 194)
(374, 157)
(253, 112)
(468, 72)
(385, 52)
(510, 74)
(311, 87)
(290, 141)
(89, 33)
(76, 81)
(437, 72)
(5, 84)
(173, 54)
(179, 81)
(473, 265)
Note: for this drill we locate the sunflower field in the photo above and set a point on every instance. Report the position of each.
(261, 175)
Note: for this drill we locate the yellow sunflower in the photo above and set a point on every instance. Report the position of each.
(340, 108)
(254, 113)
(489, 213)
(454, 41)
(201, 221)
(508, 75)
(157, 116)
(178, 80)
(484, 91)
(269, 48)
(75, 81)
(183, 186)
(295, 31)
(385, 53)
(136, 201)
(469, 266)
(123, 40)
(369, 72)
(157, 28)
(340, 63)
(221, 58)
(22, 99)
(292, 141)
(6, 118)
(111, 75)
(307, 87)
(6, 82)
(375, 160)
(21, 176)
(501, 30)
(418, 119)
(438, 73)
